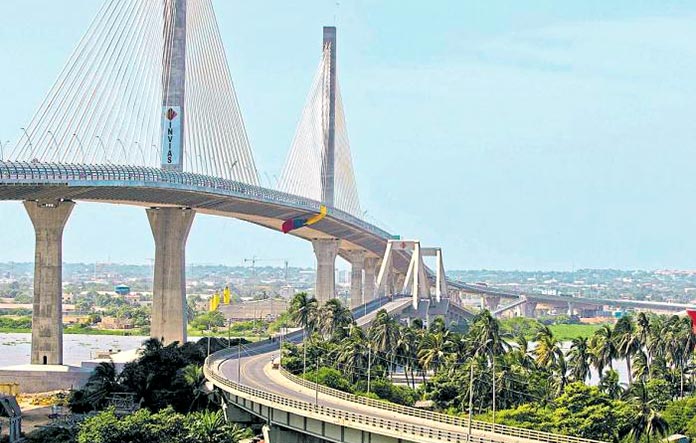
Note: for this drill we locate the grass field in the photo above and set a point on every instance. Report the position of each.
(569, 332)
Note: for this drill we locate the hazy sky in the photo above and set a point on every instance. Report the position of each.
(517, 135)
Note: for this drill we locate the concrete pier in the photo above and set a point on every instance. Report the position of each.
(325, 250)
(369, 285)
(529, 309)
(357, 261)
(48, 218)
(491, 302)
(170, 229)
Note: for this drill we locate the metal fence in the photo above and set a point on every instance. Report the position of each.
(438, 417)
(27, 172)
(359, 421)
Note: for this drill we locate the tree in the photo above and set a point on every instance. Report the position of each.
(627, 341)
(646, 422)
(579, 359)
(102, 382)
(334, 318)
(384, 335)
(603, 348)
(352, 354)
(304, 311)
(434, 347)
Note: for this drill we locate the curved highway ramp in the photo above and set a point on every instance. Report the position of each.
(300, 411)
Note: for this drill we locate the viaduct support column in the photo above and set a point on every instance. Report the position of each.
(170, 229)
(325, 250)
(491, 302)
(529, 309)
(357, 261)
(369, 288)
(49, 219)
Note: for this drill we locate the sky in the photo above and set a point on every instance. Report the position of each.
(530, 135)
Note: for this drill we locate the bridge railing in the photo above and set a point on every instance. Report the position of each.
(62, 172)
(437, 417)
(344, 417)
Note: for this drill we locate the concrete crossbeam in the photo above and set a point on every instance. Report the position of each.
(170, 229)
(48, 218)
(325, 251)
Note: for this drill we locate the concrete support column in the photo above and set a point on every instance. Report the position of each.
(49, 219)
(491, 302)
(369, 286)
(170, 229)
(357, 261)
(571, 309)
(325, 250)
(529, 309)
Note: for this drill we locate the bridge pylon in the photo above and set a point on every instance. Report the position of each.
(173, 84)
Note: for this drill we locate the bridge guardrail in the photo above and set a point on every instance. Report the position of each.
(438, 417)
(346, 418)
(27, 171)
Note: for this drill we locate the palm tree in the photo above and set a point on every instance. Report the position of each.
(434, 347)
(101, 383)
(334, 318)
(352, 354)
(549, 356)
(609, 384)
(407, 352)
(647, 421)
(627, 341)
(303, 311)
(193, 377)
(603, 348)
(579, 359)
(384, 334)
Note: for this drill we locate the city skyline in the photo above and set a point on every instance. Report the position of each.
(470, 106)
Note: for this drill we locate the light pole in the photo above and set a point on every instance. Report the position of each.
(31, 146)
(101, 143)
(239, 360)
(2, 153)
(79, 144)
(123, 149)
(471, 396)
(55, 143)
(304, 352)
(369, 366)
(316, 385)
(142, 154)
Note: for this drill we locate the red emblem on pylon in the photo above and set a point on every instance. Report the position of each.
(171, 114)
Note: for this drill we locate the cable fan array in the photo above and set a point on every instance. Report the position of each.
(106, 105)
(302, 171)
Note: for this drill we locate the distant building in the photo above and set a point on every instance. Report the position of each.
(122, 289)
(116, 323)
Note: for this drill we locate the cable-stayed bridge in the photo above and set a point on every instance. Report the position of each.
(145, 113)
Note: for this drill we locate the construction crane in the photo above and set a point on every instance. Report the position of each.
(253, 261)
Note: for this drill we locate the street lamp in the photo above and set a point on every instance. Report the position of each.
(101, 143)
(31, 146)
(2, 154)
(142, 154)
(123, 149)
(79, 145)
(55, 143)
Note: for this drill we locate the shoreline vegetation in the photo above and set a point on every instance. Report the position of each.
(561, 331)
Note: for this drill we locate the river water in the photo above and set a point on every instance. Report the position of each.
(15, 348)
